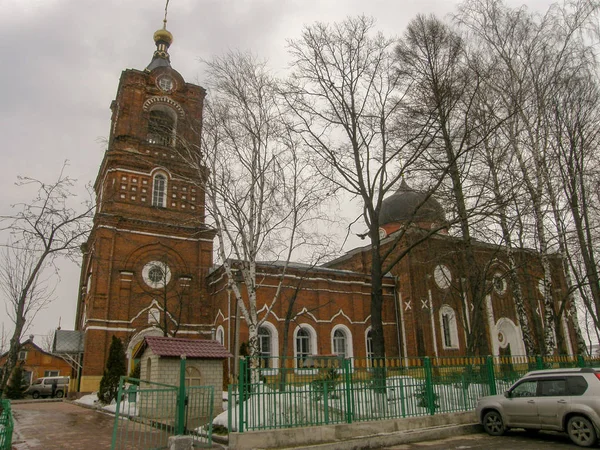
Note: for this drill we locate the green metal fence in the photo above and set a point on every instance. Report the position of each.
(148, 413)
(285, 392)
(6, 425)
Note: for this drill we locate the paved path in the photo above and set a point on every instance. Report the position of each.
(60, 426)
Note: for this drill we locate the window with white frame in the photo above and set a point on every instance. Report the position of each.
(220, 335)
(22, 355)
(51, 373)
(153, 316)
(303, 350)
(369, 343)
(448, 327)
(340, 343)
(264, 346)
(159, 191)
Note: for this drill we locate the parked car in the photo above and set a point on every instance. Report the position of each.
(554, 399)
(42, 387)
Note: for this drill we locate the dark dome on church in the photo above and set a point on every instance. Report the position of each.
(403, 204)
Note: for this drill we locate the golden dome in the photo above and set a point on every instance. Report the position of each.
(163, 35)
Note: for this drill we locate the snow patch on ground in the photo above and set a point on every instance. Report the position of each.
(89, 400)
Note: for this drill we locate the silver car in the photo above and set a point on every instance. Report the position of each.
(46, 386)
(554, 399)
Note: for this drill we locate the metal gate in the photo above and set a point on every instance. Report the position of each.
(147, 413)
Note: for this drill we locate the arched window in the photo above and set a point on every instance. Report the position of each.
(303, 350)
(369, 345)
(192, 377)
(153, 316)
(448, 327)
(161, 126)
(159, 191)
(220, 335)
(264, 346)
(339, 343)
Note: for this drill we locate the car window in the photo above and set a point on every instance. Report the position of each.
(553, 387)
(576, 385)
(37, 382)
(525, 389)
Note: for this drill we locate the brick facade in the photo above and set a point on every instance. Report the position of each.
(140, 223)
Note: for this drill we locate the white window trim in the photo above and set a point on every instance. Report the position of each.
(448, 310)
(349, 342)
(153, 316)
(274, 349)
(164, 197)
(220, 331)
(312, 335)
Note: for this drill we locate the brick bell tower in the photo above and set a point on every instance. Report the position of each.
(149, 251)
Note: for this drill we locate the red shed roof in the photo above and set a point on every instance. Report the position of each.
(191, 348)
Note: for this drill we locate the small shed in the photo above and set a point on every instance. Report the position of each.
(160, 362)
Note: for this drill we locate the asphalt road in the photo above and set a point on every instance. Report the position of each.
(510, 441)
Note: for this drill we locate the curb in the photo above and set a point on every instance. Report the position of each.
(390, 439)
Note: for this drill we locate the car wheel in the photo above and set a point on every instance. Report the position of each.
(581, 431)
(492, 423)
(35, 394)
(59, 394)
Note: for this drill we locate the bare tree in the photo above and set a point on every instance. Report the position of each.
(349, 99)
(532, 52)
(262, 194)
(576, 123)
(449, 84)
(40, 231)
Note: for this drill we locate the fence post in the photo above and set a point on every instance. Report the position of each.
(580, 361)
(348, 390)
(429, 385)
(230, 403)
(242, 393)
(118, 405)
(491, 374)
(539, 362)
(181, 400)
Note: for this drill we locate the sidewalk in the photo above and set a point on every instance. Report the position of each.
(49, 425)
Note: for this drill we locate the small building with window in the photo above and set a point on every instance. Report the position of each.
(160, 362)
(38, 363)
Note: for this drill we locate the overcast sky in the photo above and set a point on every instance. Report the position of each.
(62, 60)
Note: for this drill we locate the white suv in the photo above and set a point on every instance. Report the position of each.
(554, 399)
(42, 387)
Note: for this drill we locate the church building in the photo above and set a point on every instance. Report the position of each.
(147, 266)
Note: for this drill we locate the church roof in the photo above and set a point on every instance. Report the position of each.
(191, 348)
(409, 204)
